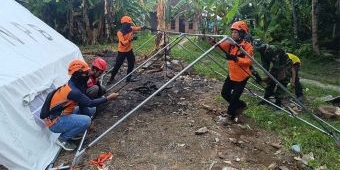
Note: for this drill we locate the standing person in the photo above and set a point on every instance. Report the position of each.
(276, 61)
(125, 37)
(94, 87)
(239, 71)
(295, 80)
(62, 114)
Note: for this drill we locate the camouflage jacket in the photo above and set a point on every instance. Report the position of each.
(276, 61)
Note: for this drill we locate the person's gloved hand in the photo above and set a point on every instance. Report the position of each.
(231, 57)
(134, 38)
(146, 27)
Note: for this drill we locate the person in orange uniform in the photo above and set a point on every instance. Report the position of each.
(125, 37)
(70, 108)
(94, 87)
(239, 71)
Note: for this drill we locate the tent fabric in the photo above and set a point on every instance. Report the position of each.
(34, 59)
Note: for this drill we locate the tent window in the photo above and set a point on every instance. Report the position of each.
(36, 104)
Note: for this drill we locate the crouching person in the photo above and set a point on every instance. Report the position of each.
(60, 112)
(94, 87)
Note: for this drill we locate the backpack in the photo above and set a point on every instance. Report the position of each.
(55, 111)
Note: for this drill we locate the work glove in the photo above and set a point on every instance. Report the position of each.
(144, 27)
(231, 57)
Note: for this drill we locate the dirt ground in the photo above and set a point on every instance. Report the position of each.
(161, 133)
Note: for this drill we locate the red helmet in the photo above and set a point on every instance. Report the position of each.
(126, 19)
(99, 63)
(77, 65)
(240, 26)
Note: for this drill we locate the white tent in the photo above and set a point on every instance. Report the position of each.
(33, 60)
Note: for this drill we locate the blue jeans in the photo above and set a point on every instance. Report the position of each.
(72, 124)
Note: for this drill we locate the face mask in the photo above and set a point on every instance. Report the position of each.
(80, 78)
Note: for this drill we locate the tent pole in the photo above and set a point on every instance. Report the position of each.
(179, 37)
(147, 99)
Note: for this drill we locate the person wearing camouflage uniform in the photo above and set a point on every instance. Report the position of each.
(276, 61)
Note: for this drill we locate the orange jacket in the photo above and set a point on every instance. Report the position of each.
(124, 41)
(60, 97)
(238, 71)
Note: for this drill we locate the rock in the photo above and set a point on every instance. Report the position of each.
(175, 62)
(228, 168)
(221, 155)
(327, 111)
(276, 145)
(233, 140)
(202, 131)
(283, 168)
(272, 166)
(307, 157)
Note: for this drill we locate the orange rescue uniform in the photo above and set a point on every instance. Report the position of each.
(124, 41)
(238, 71)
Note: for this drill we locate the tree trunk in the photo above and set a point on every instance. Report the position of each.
(89, 36)
(295, 19)
(70, 20)
(106, 18)
(315, 42)
(337, 26)
(160, 41)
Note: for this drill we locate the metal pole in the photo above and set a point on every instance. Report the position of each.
(102, 76)
(319, 120)
(179, 37)
(147, 99)
(284, 110)
(260, 96)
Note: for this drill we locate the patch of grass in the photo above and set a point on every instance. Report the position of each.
(293, 131)
(323, 69)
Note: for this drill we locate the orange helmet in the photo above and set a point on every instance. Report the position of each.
(126, 19)
(240, 26)
(99, 63)
(77, 65)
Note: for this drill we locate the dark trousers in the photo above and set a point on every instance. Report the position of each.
(278, 92)
(120, 60)
(231, 92)
(298, 87)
